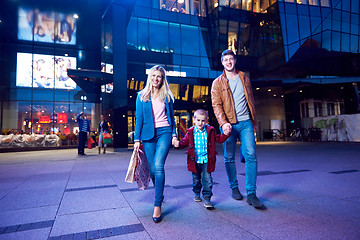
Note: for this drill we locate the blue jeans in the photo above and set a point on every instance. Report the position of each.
(156, 151)
(244, 131)
(202, 179)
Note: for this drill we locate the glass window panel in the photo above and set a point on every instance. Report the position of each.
(132, 33)
(283, 28)
(190, 71)
(190, 40)
(293, 48)
(304, 2)
(325, 3)
(326, 25)
(355, 24)
(18, 116)
(355, 6)
(290, 8)
(176, 59)
(190, 60)
(354, 43)
(314, 2)
(143, 34)
(335, 46)
(175, 90)
(205, 62)
(303, 10)
(204, 72)
(292, 28)
(315, 11)
(345, 22)
(346, 4)
(326, 40)
(345, 38)
(159, 32)
(304, 22)
(175, 43)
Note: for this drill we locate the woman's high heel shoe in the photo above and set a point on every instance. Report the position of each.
(157, 219)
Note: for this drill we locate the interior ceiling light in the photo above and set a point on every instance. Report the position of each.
(180, 1)
(75, 16)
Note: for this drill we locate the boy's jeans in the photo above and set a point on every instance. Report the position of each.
(244, 131)
(156, 151)
(202, 179)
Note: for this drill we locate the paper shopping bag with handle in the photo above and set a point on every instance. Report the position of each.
(142, 173)
(132, 166)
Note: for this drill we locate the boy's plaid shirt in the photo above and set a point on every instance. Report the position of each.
(200, 139)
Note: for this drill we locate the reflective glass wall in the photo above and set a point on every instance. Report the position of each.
(39, 43)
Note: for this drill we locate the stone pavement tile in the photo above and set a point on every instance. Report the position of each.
(91, 200)
(80, 180)
(306, 230)
(179, 176)
(131, 236)
(29, 215)
(142, 202)
(57, 167)
(353, 199)
(326, 209)
(194, 224)
(44, 181)
(83, 222)
(119, 179)
(247, 216)
(20, 199)
(36, 234)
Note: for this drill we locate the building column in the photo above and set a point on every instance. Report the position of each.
(120, 94)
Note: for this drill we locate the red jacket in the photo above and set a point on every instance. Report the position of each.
(212, 137)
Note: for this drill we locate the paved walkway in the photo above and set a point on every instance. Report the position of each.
(311, 191)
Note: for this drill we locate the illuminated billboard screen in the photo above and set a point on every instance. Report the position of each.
(42, 26)
(48, 71)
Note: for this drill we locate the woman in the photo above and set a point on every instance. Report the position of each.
(103, 128)
(155, 127)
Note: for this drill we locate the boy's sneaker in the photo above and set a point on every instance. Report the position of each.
(236, 194)
(254, 201)
(197, 198)
(208, 204)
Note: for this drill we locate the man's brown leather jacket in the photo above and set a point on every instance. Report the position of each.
(223, 102)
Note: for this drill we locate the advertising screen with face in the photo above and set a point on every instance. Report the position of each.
(48, 71)
(43, 26)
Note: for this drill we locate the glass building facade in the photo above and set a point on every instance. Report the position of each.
(280, 44)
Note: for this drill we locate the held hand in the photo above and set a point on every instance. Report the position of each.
(225, 127)
(137, 146)
(227, 131)
(175, 142)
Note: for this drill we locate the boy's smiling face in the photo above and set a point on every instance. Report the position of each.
(200, 121)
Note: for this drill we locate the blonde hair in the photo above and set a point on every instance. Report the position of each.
(201, 112)
(164, 91)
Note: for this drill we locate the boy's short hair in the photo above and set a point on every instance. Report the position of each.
(227, 52)
(200, 112)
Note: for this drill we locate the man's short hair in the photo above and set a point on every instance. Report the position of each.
(227, 52)
(200, 112)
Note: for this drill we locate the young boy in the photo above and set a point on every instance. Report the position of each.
(201, 155)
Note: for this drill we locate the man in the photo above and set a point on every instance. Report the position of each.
(234, 108)
(84, 130)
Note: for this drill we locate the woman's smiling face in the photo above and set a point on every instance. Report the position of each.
(156, 79)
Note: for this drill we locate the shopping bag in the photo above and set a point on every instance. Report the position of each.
(132, 165)
(90, 142)
(142, 172)
(106, 138)
(106, 135)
